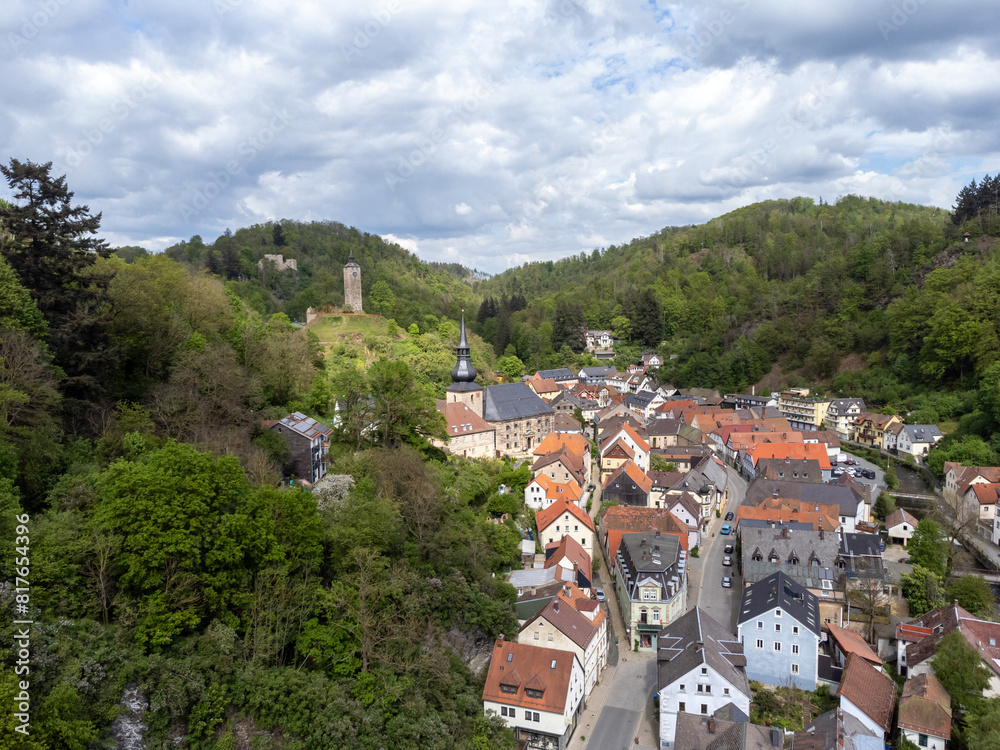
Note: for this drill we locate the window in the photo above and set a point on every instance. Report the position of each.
(760, 643)
(704, 670)
(509, 689)
(795, 629)
(536, 716)
(681, 706)
(550, 636)
(777, 627)
(656, 615)
(536, 635)
(922, 740)
(534, 693)
(704, 708)
(649, 595)
(795, 648)
(725, 691)
(513, 713)
(777, 645)
(777, 613)
(760, 625)
(682, 687)
(795, 669)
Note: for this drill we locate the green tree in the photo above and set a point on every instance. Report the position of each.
(510, 366)
(382, 298)
(18, 310)
(885, 505)
(983, 726)
(973, 594)
(961, 671)
(402, 411)
(191, 536)
(50, 245)
(923, 590)
(928, 547)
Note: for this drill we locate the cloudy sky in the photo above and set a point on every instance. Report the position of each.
(493, 133)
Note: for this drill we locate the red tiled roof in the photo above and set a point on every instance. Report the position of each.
(987, 494)
(565, 614)
(870, 689)
(634, 473)
(571, 550)
(623, 519)
(815, 451)
(556, 441)
(549, 515)
(852, 643)
(925, 706)
(556, 491)
(462, 420)
(521, 666)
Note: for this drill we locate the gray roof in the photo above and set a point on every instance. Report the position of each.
(598, 372)
(662, 427)
(709, 471)
(826, 731)
(809, 576)
(787, 543)
(839, 405)
(646, 555)
(512, 401)
(693, 639)
(562, 373)
(521, 579)
(693, 734)
(846, 498)
(641, 399)
(780, 591)
(922, 433)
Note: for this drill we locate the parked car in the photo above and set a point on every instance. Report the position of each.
(850, 462)
(726, 528)
(727, 582)
(868, 473)
(727, 561)
(591, 487)
(599, 594)
(729, 549)
(729, 516)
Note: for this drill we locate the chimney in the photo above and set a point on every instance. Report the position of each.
(784, 532)
(555, 604)
(822, 534)
(711, 726)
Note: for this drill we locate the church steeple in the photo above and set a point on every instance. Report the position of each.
(463, 388)
(464, 372)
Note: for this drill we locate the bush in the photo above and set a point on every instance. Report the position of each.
(694, 551)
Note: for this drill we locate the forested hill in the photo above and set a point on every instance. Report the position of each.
(793, 283)
(394, 282)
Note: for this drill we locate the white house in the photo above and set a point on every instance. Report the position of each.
(542, 491)
(538, 692)
(900, 525)
(868, 694)
(925, 712)
(918, 439)
(564, 518)
(699, 670)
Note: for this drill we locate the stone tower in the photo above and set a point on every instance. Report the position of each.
(463, 388)
(352, 285)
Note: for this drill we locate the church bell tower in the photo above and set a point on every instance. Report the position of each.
(463, 388)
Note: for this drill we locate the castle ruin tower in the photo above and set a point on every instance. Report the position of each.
(463, 388)
(352, 285)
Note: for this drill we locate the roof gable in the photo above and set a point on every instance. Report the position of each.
(547, 516)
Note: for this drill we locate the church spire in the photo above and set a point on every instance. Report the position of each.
(464, 372)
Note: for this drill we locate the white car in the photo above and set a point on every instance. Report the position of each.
(727, 582)
(727, 561)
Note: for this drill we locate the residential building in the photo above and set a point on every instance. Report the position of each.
(542, 491)
(844, 643)
(958, 479)
(596, 375)
(562, 467)
(849, 501)
(900, 525)
(803, 413)
(575, 623)
(566, 518)
(536, 587)
(918, 439)
(925, 712)
(574, 443)
(686, 509)
(562, 375)
(697, 732)
(650, 584)
(915, 648)
(821, 582)
(545, 388)
(837, 730)
(308, 443)
(636, 448)
(709, 481)
(818, 520)
(748, 401)
(860, 553)
(891, 437)
(814, 451)
(622, 519)
(779, 628)
(685, 457)
(700, 669)
(868, 694)
(566, 424)
(790, 469)
(538, 692)
(629, 485)
(870, 428)
(599, 340)
(570, 555)
(469, 435)
(664, 433)
(841, 413)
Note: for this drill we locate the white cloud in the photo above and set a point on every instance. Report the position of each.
(494, 132)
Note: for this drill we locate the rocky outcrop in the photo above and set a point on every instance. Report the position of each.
(474, 647)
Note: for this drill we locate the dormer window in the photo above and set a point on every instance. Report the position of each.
(534, 693)
(509, 689)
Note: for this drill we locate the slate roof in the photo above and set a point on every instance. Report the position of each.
(561, 373)
(597, 372)
(664, 427)
(870, 689)
(922, 433)
(639, 400)
(793, 469)
(512, 401)
(852, 643)
(846, 498)
(564, 423)
(665, 480)
(925, 706)
(837, 730)
(779, 591)
(692, 733)
(784, 542)
(694, 639)
(685, 500)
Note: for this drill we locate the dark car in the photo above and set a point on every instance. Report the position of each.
(868, 473)
(591, 487)
(728, 550)
(729, 516)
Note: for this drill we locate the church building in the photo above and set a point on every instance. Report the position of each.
(509, 418)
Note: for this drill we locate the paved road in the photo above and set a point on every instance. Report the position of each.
(628, 705)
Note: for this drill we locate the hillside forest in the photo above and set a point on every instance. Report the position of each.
(170, 557)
